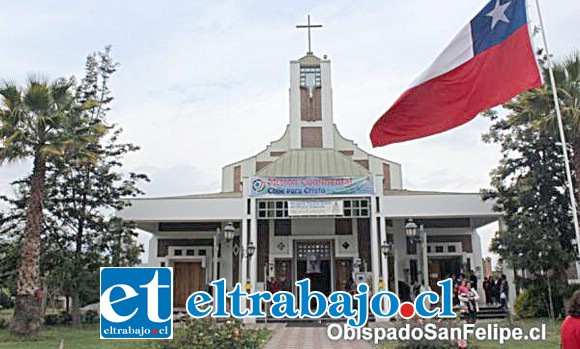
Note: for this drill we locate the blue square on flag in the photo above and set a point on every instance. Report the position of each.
(136, 303)
(498, 20)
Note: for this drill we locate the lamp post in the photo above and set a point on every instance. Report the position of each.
(386, 248)
(229, 232)
(249, 252)
(227, 235)
(411, 232)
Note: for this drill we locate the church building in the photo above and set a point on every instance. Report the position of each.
(313, 205)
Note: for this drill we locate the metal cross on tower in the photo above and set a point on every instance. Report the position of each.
(302, 26)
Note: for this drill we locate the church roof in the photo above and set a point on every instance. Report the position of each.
(312, 162)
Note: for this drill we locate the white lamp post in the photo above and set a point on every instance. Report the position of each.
(227, 235)
(411, 232)
(386, 248)
(229, 232)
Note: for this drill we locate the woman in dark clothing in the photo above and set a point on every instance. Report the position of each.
(503, 292)
(488, 286)
(497, 290)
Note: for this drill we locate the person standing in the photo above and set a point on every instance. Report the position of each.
(488, 286)
(468, 298)
(504, 291)
(498, 290)
(570, 329)
(473, 280)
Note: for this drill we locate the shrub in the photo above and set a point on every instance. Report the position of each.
(6, 300)
(4, 323)
(524, 305)
(213, 333)
(91, 317)
(63, 318)
(534, 302)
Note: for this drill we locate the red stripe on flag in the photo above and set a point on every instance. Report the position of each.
(452, 99)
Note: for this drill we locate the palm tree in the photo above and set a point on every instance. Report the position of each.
(567, 74)
(537, 106)
(38, 121)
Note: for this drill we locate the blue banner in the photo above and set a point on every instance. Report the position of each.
(311, 186)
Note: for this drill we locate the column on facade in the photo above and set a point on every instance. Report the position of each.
(153, 257)
(254, 240)
(383, 232)
(374, 247)
(216, 247)
(226, 263)
(243, 248)
(244, 238)
(477, 261)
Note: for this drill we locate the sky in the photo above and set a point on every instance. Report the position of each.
(205, 83)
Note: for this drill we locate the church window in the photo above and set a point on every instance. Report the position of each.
(343, 226)
(282, 227)
(310, 78)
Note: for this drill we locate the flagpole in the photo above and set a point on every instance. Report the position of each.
(562, 136)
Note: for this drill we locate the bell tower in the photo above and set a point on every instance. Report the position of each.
(311, 124)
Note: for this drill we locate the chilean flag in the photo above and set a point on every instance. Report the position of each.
(489, 62)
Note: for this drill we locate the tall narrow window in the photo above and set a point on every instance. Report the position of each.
(238, 179)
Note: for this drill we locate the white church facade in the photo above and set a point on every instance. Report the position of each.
(312, 204)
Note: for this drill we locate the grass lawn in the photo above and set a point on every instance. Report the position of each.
(86, 338)
(552, 336)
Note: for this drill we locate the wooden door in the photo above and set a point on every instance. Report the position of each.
(343, 271)
(435, 275)
(187, 278)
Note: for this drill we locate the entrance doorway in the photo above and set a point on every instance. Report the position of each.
(187, 278)
(314, 261)
(442, 268)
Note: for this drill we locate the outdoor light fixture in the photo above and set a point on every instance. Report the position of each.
(229, 232)
(386, 248)
(250, 250)
(411, 231)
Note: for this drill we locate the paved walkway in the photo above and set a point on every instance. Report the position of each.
(310, 337)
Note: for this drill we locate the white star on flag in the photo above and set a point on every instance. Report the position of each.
(498, 14)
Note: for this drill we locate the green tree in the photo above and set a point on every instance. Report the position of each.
(80, 235)
(38, 121)
(538, 106)
(529, 185)
(82, 196)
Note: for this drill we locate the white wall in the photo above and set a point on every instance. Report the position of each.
(313, 226)
(163, 210)
(438, 205)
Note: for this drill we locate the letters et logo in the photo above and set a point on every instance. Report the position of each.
(136, 303)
